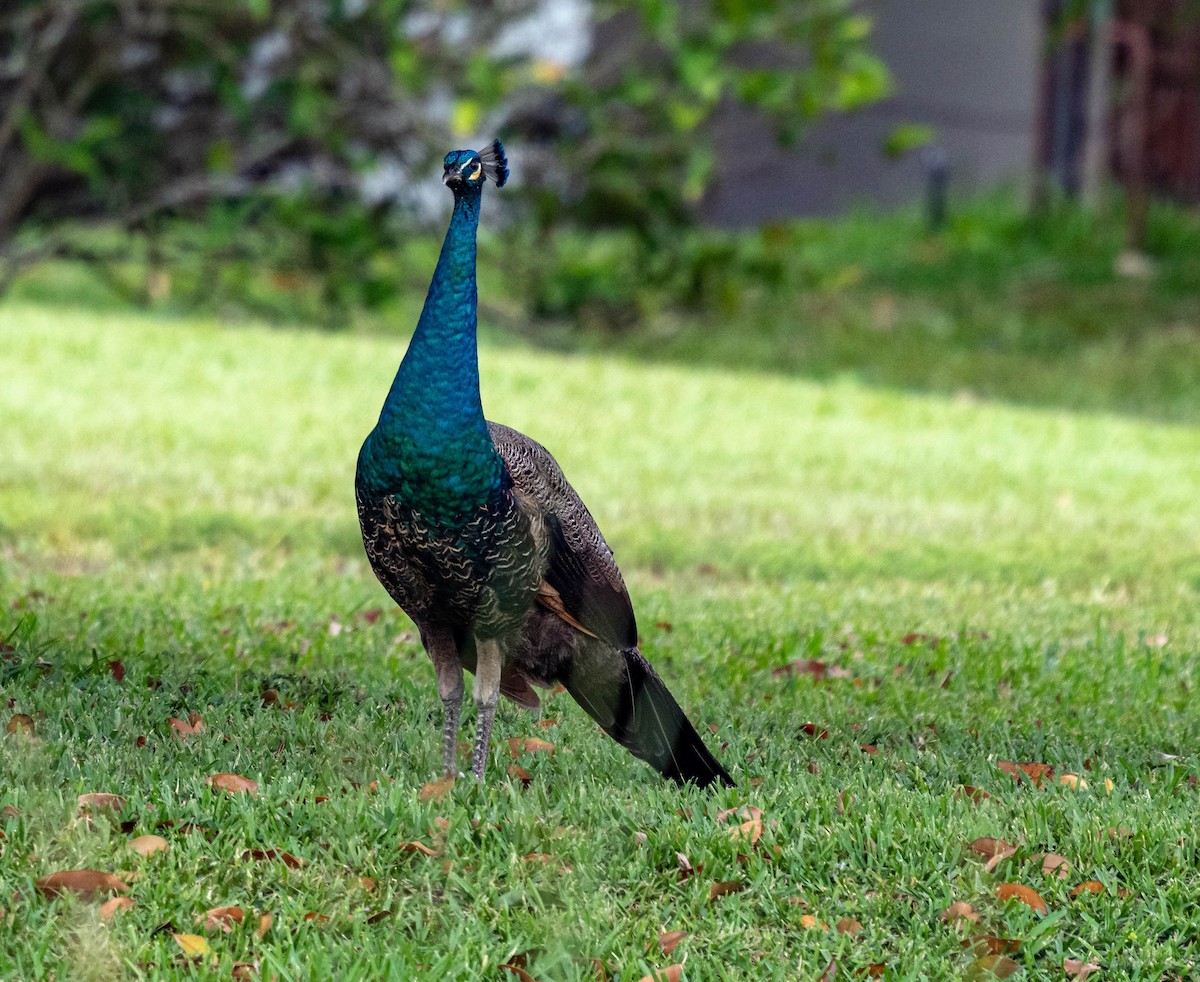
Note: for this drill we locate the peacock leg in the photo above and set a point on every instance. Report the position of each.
(487, 692)
(444, 655)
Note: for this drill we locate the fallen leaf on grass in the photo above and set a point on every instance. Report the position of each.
(972, 794)
(960, 911)
(989, 944)
(1053, 864)
(1079, 969)
(814, 667)
(809, 922)
(288, 860)
(519, 772)
(995, 851)
(518, 971)
(672, 973)
(1027, 896)
(95, 802)
(10, 811)
(1034, 771)
(117, 671)
(848, 925)
(669, 940)
(313, 915)
(1073, 781)
(110, 907)
(1001, 966)
(193, 945)
(20, 723)
(223, 918)
(87, 883)
(1088, 886)
(830, 972)
(436, 790)
(244, 970)
(812, 730)
(724, 888)
(531, 745)
(417, 847)
(184, 729)
(148, 845)
(233, 783)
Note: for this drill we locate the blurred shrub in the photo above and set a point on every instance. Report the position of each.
(290, 134)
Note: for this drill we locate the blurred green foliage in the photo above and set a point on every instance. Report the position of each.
(260, 122)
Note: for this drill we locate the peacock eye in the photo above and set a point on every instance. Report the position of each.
(476, 170)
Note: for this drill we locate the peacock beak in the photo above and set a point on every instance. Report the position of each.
(452, 176)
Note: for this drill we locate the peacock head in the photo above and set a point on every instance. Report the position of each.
(468, 169)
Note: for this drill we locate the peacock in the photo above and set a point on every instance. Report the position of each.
(473, 530)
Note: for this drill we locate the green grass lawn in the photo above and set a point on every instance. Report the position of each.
(977, 582)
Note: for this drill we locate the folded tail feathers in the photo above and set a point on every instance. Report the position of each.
(636, 709)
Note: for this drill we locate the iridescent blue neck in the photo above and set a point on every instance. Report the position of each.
(431, 446)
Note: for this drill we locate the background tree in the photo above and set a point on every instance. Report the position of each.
(285, 135)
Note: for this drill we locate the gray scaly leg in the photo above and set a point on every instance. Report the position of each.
(487, 692)
(444, 654)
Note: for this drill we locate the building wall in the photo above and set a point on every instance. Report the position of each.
(969, 68)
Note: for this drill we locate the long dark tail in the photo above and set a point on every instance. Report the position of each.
(621, 691)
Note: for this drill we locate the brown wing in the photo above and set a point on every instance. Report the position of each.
(583, 585)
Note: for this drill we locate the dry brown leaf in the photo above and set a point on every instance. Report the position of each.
(1088, 886)
(233, 783)
(1027, 895)
(672, 973)
(1034, 771)
(808, 666)
(436, 790)
(264, 924)
(814, 731)
(117, 670)
(1073, 781)
(100, 801)
(748, 833)
(244, 970)
(519, 772)
(148, 845)
(972, 794)
(1000, 966)
(531, 745)
(193, 945)
(724, 888)
(1053, 864)
(848, 925)
(223, 918)
(960, 911)
(20, 723)
(830, 972)
(876, 970)
(809, 922)
(312, 915)
(669, 940)
(1079, 969)
(988, 847)
(518, 971)
(87, 883)
(10, 811)
(110, 907)
(288, 860)
(417, 847)
(186, 728)
(989, 944)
